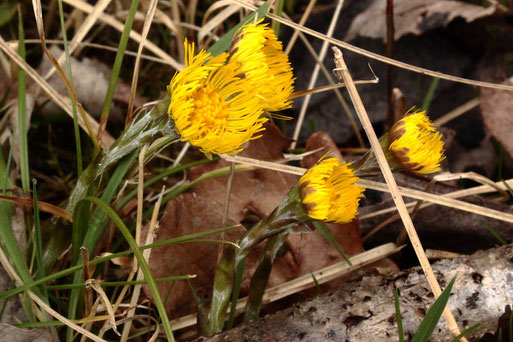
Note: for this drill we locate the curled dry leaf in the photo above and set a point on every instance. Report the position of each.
(413, 16)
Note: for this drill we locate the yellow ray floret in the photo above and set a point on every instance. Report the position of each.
(212, 106)
(329, 193)
(264, 63)
(415, 144)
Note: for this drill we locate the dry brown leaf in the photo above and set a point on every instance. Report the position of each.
(496, 111)
(13, 334)
(258, 191)
(413, 16)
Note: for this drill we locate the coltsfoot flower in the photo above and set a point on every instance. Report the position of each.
(212, 104)
(265, 65)
(415, 144)
(329, 193)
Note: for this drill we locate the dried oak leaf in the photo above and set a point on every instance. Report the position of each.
(413, 16)
(496, 111)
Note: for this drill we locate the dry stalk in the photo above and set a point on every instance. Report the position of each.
(315, 73)
(140, 276)
(109, 20)
(146, 29)
(394, 190)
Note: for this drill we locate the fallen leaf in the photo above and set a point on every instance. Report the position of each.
(496, 111)
(259, 190)
(413, 16)
(13, 334)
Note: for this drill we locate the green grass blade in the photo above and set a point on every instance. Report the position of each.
(235, 294)
(428, 324)
(7, 236)
(430, 94)
(142, 264)
(316, 283)
(321, 227)
(224, 43)
(22, 111)
(118, 283)
(73, 104)
(73, 269)
(94, 231)
(116, 68)
(278, 12)
(494, 233)
(465, 332)
(81, 217)
(508, 187)
(38, 243)
(398, 317)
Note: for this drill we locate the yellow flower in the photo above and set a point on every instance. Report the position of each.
(265, 65)
(212, 106)
(415, 144)
(329, 193)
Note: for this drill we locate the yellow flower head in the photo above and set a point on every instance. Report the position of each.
(264, 64)
(329, 193)
(415, 144)
(212, 107)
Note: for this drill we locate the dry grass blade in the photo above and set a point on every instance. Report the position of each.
(175, 12)
(85, 7)
(146, 29)
(81, 33)
(315, 73)
(38, 12)
(14, 45)
(302, 21)
(444, 200)
(149, 237)
(155, 335)
(453, 114)
(217, 20)
(338, 94)
(43, 206)
(95, 285)
(455, 194)
(12, 273)
(394, 190)
(60, 100)
(376, 56)
(322, 89)
(448, 176)
(306, 281)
